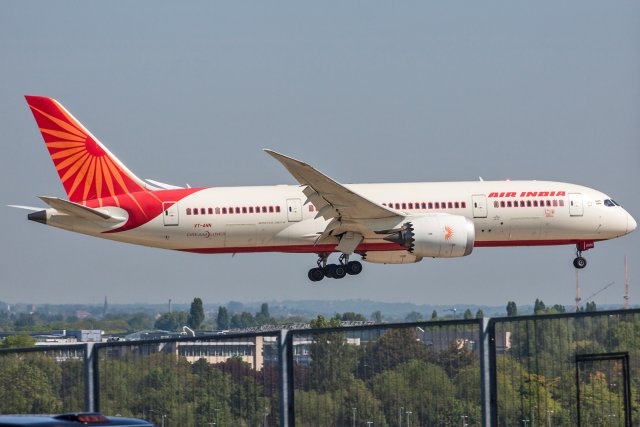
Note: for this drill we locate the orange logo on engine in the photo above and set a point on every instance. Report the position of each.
(449, 232)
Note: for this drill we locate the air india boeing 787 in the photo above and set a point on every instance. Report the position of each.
(383, 223)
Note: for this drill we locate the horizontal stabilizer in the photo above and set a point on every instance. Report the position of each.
(75, 209)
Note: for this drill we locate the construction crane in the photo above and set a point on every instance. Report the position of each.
(601, 290)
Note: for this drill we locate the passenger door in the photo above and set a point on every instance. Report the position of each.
(575, 204)
(479, 205)
(170, 213)
(294, 210)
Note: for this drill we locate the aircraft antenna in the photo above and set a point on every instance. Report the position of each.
(626, 284)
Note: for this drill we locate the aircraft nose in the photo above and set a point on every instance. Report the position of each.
(631, 223)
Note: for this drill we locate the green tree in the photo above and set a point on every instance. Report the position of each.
(479, 314)
(18, 341)
(591, 306)
(196, 314)
(538, 307)
(384, 353)
(434, 315)
(413, 316)
(376, 316)
(468, 314)
(139, 322)
(408, 384)
(332, 359)
(350, 316)
(173, 321)
(512, 309)
(242, 320)
(223, 318)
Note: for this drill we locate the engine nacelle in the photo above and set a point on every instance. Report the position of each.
(391, 257)
(438, 236)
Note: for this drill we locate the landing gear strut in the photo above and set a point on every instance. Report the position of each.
(579, 262)
(334, 271)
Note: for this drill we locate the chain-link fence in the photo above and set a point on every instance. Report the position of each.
(38, 380)
(388, 375)
(568, 369)
(549, 370)
(220, 380)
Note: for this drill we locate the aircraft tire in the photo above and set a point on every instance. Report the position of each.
(316, 274)
(329, 270)
(580, 262)
(354, 267)
(340, 271)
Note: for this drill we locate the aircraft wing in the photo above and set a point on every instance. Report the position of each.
(332, 199)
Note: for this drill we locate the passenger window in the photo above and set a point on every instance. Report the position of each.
(522, 203)
(450, 205)
(237, 210)
(456, 205)
(555, 203)
(217, 211)
(496, 204)
(535, 203)
(437, 205)
(561, 202)
(430, 205)
(195, 211)
(202, 211)
(509, 204)
(464, 205)
(404, 206)
(188, 211)
(443, 205)
(277, 208)
(264, 209)
(270, 209)
(410, 205)
(502, 204)
(397, 205)
(224, 210)
(210, 211)
(244, 209)
(424, 205)
(250, 209)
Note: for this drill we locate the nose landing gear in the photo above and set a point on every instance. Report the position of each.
(334, 271)
(579, 262)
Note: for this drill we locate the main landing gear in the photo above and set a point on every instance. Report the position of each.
(579, 262)
(334, 271)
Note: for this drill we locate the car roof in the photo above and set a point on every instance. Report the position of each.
(68, 420)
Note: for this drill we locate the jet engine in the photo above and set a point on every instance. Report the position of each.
(441, 236)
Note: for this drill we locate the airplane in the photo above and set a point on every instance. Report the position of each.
(393, 223)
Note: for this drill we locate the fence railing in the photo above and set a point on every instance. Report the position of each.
(549, 370)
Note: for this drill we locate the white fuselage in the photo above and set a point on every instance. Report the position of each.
(504, 213)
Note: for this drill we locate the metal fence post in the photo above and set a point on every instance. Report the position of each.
(285, 348)
(487, 370)
(89, 384)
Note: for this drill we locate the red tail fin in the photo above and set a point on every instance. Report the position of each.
(86, 168)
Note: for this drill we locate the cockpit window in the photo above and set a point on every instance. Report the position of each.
(610, 202)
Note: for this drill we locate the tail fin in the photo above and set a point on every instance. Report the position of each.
(86, 168)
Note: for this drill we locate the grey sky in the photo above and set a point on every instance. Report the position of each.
(366, 91)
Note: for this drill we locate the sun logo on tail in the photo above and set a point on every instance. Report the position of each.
(87, 170)
(448, 232)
